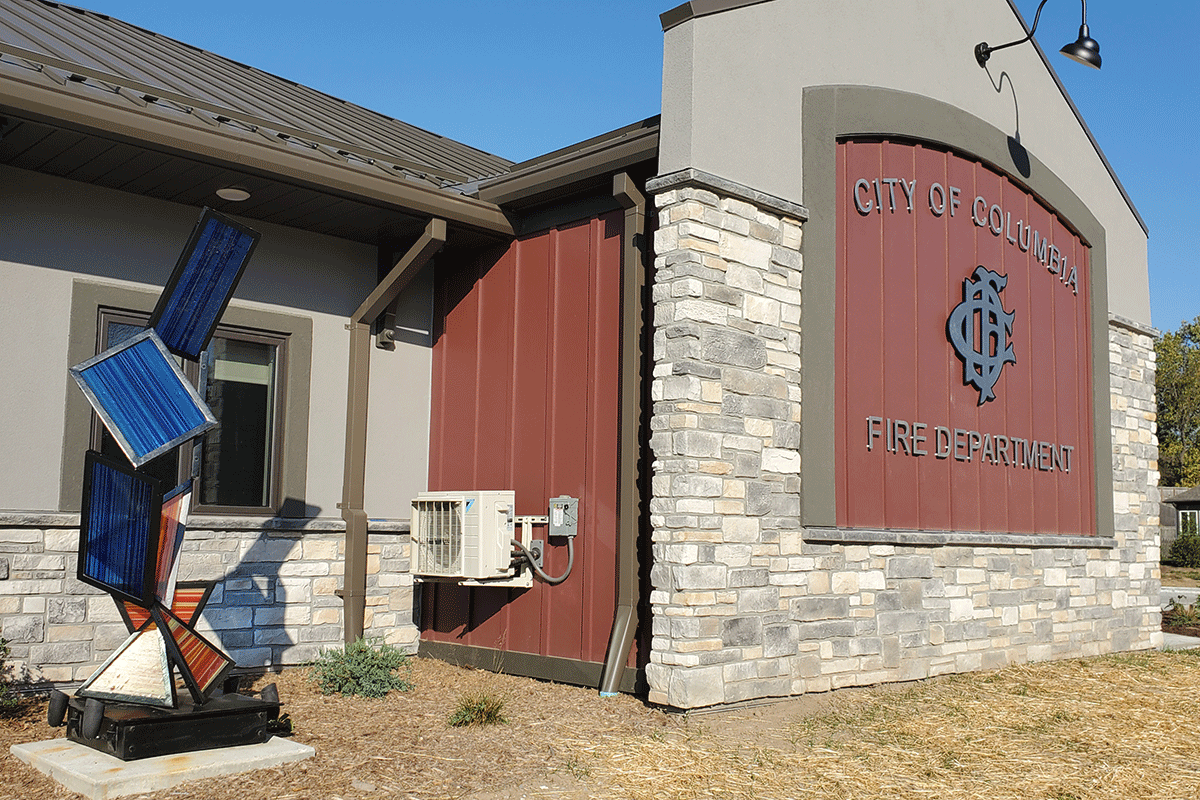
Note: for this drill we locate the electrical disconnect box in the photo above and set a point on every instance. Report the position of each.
(564, 516)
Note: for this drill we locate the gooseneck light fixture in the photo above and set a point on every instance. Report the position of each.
(1085, 49)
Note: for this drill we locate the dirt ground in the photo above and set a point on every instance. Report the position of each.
(1109, 728)
(1180, 576)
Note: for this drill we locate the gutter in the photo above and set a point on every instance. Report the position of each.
(629, 495)
(354, 476)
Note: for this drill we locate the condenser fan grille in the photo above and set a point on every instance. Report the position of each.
(439, 536)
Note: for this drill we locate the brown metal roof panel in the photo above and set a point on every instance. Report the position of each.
(112, 46)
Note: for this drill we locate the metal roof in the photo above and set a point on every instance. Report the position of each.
(157, 73)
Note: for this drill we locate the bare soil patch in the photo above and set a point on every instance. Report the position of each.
(1109, 728)
(1180, 576)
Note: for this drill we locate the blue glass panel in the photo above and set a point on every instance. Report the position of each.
(203, 282)
(143, 398)
(119, 527)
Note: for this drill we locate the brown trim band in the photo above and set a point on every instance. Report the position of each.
(530, 665)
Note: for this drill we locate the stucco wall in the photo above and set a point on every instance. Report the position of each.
(733, 83)
(56, 231)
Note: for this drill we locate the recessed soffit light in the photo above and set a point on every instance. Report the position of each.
(234, 194)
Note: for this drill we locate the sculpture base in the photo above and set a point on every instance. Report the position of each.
(130, 731)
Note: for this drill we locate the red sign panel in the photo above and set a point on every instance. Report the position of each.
(963, 355)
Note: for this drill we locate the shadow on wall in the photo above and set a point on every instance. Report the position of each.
(275, 600)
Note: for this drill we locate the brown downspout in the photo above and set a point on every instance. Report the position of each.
(354, 476)
(633, 281)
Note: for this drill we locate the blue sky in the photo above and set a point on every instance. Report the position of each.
(522, 77)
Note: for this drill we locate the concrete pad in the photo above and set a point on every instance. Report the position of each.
(100, 776)
(1173, 641)
(1185, 595)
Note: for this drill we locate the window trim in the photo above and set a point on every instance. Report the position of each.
(293, 382)
(1191, 513)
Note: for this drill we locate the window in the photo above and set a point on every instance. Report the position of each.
(1189, 522)
(237, 463)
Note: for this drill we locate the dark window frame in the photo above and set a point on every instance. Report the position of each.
(195, 372)
(293, 382)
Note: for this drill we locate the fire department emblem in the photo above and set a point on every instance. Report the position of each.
(979, 328)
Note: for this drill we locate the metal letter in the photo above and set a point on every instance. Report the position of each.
(891, 182)
(979, 221)
(902, 438)
(954, 201)
(941, 441)
(862, 183)
(957, 457)
(974, 439)
(1002, 449)
(1008, 227)
(872, 433)
(1067, 457)
(1052, 267)
(938, 207)
(909, 188)
(1023, 243)
(917, 438)
(1073, 281)
(996, 220)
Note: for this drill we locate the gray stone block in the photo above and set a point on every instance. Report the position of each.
(779, 641)
(763, 407)
(753, 576)
(910, 567)
(756, 600)
(723, 346)
(696, 687)
(24, 629)
(60, 653)
(758, 498)
(687, 578)
(807, 609)
(741, 632)
(66, 610)
(786, 434)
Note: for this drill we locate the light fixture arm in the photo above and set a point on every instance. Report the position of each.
(1084, 50)
(983, 51)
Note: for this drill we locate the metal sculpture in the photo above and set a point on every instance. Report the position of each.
(132, 528)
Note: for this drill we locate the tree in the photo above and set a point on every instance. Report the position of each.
(1178, 386)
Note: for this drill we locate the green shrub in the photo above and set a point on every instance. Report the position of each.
(10, 701)
(478, 709)
(362, 668)
(1185, 550)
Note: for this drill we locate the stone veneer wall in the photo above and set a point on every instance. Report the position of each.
(745, 602)
(274, 604)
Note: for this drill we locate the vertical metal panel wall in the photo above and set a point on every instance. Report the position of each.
(525, 390)
(901, 267)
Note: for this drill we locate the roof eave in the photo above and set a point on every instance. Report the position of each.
(602, 155)
(190, 138)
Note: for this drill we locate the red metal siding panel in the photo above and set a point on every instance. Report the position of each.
(525, 386)
(904, 250)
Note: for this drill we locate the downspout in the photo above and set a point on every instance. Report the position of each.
(354, 476)
(633, 282)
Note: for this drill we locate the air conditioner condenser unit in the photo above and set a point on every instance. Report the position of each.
(466, 537)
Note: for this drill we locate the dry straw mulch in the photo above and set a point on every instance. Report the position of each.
(1117, 727)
